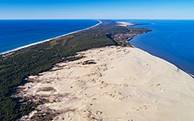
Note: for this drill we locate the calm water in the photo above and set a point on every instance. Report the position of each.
(17, 33)
(170, 40)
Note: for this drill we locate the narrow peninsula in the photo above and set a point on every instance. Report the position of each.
(16, 66)
(93, 75)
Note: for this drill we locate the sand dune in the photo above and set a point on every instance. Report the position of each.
(112, 84)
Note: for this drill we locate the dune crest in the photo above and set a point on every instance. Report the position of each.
(112, 84)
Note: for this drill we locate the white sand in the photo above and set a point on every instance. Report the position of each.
(125, 84)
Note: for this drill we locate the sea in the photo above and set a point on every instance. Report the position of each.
(18, 33)
(172, 40)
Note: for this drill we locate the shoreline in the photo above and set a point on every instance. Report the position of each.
(50, 39)
(192, 75)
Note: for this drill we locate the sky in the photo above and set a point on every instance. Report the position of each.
(96, 9)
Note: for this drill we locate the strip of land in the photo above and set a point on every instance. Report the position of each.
(93, 75)
(111, 84)
(16, 66)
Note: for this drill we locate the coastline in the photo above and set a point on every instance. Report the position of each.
(87, 88)
(86, 85)
(153, 42)
(50, 39)
(190, 74)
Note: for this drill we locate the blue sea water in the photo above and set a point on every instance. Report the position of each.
(169, 39)
(17, 33)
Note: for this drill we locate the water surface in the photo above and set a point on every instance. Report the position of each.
(171, 40)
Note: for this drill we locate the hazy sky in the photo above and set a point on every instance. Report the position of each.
(92, 9)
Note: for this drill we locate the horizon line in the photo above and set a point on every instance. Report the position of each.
(96, 19)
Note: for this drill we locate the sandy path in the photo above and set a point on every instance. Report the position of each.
(116, 84)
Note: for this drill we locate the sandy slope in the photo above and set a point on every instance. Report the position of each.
(119, 84)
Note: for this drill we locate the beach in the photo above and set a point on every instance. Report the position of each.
(111, 84)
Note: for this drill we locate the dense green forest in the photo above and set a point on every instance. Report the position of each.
(16, 66)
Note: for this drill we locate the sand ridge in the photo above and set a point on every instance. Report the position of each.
(112, 84)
